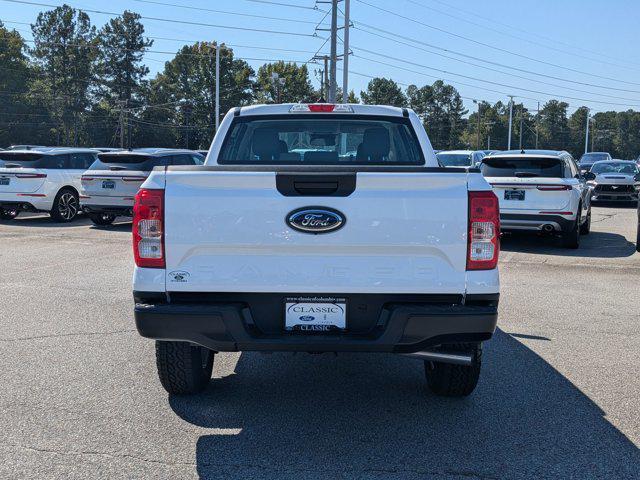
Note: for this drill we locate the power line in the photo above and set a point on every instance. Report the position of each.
(493, 29)
(493, 21)
(226, 12)
(464, 55)
(185, 40)
(493, 47)
(525, 78)
(172, 20)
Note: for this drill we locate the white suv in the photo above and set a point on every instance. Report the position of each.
(110, 184)
(43, 179)
(541, 191)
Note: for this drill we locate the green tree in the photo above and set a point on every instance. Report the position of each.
(554, 125)
(64, 52)
(284, 82)
(383, 91)
(442, 111)
(119, 64)
(181, 99)
(577, 124)
(17, 121)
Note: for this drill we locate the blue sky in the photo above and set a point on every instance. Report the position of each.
(591, 44)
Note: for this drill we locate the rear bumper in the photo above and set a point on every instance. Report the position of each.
(389, 326)
(538, 223)
(121, 211)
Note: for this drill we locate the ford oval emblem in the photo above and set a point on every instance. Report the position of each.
(307, 318)
(316, 220)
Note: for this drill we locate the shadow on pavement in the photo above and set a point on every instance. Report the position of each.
(44, 221)
(594, 245)
(370, 416)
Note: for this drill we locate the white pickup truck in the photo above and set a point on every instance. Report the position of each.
(317, 228)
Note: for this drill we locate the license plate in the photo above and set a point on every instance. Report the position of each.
(108, 184)
(5, 181)
(514, 195)
(315, 314)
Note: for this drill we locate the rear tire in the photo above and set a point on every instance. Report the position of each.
(585, 228)
(102, 219)
(571, 238)
(65, 206)
(183, 368)
(8, 214)
(451, 380)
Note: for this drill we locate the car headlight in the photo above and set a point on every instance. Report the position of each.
(592, 183)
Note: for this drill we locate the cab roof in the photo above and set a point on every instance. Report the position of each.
(285, 108)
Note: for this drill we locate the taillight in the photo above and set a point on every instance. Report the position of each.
(483, 242)
(31, 175)
(321, 108)
(148, 228)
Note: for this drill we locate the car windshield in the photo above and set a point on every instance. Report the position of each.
(454, 159)
(325, 140)
(522, 167)
(623, 168)
(593, 157)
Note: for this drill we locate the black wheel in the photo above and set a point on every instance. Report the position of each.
(8, 213)
(571, 238)
(183, 368)
(585, 228)
(102, 218)
(451, 380)
(65, 206)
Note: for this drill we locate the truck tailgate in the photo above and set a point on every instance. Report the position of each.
(226, 231)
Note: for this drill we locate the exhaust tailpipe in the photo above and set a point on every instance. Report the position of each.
(443, 357)
(548, 228)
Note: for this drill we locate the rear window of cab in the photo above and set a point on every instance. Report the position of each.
(321, 140)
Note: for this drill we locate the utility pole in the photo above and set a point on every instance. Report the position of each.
(217, 86)
(537, 115)
(345, 57)
(478, 128)
(586, 136)
(334, 51)
(510, 121)
(521, 122)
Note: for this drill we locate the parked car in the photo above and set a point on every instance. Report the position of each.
(110, 184)
(590, 158)
(285, 241)
(615, 180)
(45, 179)
(460, 158)
(540, 191)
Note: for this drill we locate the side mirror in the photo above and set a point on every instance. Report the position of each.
(589, 176)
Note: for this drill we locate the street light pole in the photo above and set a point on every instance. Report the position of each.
(334, 52)
(478, 129)
(510, 121)
(586, 136)
(345, 57)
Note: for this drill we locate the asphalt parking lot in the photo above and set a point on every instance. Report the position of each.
(559, 396)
